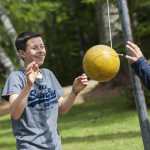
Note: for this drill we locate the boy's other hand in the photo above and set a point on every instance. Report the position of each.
(80, 83)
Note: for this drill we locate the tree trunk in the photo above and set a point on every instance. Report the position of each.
(100, 12)
(10, 30)
(6, 62)
(103, 23)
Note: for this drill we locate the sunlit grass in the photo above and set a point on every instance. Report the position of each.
(7, 141)
(96, 124)
(101, 124)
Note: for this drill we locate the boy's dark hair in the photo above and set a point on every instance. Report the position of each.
(23, 38)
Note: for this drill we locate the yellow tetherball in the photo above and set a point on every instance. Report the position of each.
(101, 63)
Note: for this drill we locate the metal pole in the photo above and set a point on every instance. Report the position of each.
(136, 83)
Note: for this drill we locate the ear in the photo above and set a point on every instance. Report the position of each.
(21, 53)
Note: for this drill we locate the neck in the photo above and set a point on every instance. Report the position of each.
(39, 75)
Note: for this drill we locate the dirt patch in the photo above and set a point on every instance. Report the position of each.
(101, 91)
(111, 88)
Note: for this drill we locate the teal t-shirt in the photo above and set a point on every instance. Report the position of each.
(36, 129)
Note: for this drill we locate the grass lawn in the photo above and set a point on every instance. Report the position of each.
(96, 124)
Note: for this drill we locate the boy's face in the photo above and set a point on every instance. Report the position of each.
(35, 51)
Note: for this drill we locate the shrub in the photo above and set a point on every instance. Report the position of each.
(130, 100)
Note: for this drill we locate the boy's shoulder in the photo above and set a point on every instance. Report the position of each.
(17, 72)
(46, 70)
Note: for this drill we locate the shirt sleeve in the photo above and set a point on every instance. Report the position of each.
(142, 69)
(13, 85)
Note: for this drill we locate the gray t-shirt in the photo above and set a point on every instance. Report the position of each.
(36, 129)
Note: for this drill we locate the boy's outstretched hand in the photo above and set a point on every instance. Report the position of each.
(80, 83)
(135, 51)
(32, 72)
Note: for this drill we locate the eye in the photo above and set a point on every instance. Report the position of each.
(34, 48)
(42, 46)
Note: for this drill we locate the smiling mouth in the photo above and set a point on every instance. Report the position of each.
(39, 57)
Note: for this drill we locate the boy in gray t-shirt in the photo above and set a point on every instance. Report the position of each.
(35, 97)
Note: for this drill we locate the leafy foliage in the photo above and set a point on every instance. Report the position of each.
(69, 29)
(139, 13)
(130, 100)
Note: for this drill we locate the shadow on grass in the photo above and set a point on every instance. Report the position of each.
(99, 120)
(91, 138)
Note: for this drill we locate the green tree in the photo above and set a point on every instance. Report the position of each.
(68, 29)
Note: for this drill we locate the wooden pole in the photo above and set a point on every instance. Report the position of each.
(136, 83)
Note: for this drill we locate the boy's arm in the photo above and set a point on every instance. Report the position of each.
(17, 102)
(65, 104)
